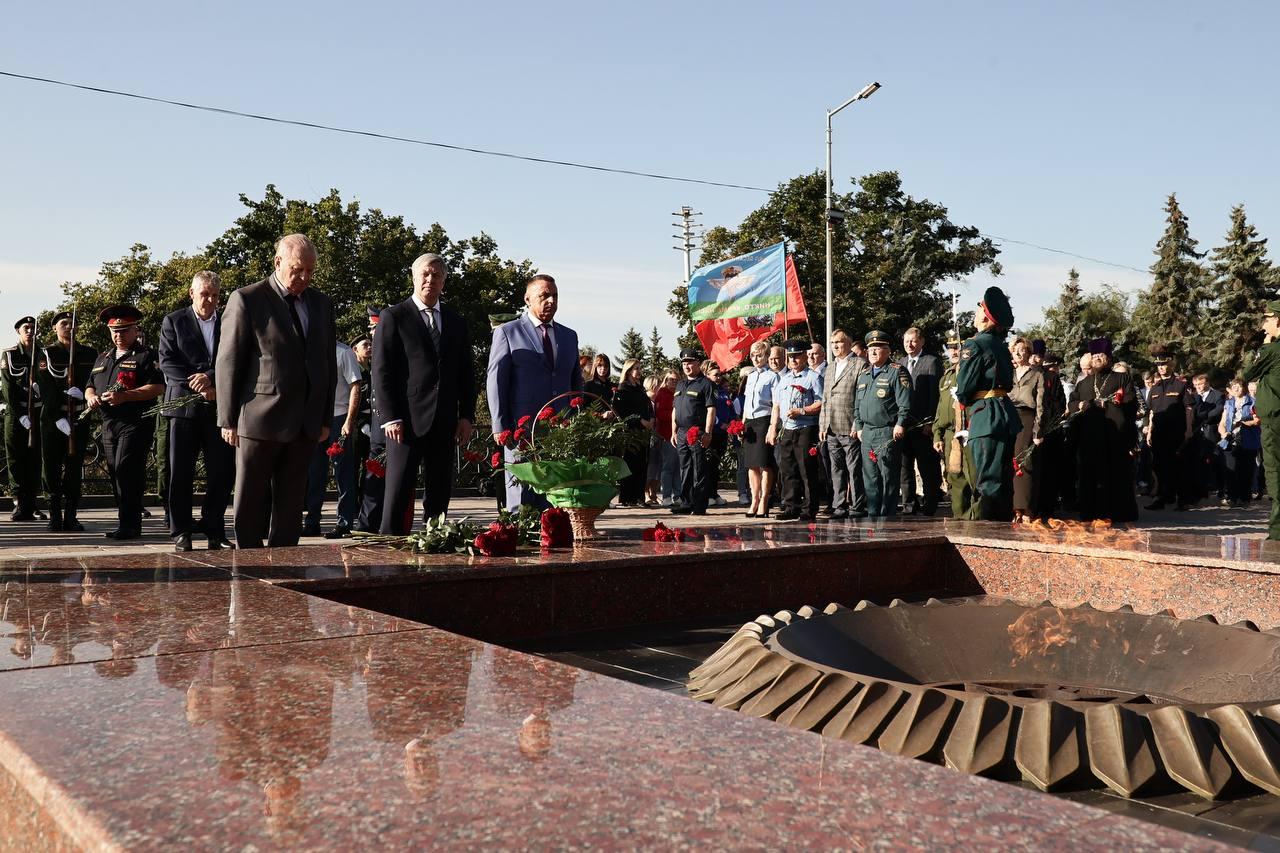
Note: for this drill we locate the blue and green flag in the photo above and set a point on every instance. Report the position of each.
(745, 286)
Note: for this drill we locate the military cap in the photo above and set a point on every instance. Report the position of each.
(374, 312)
(690, 354)
(1273, 307)
(1161, 354)
(952, 343)
(358, 341)
(796, 346)
(996, 306)
(1038, 347)
(120, 316)
(1100, 346)
(877, 338)
(21, 320)
(1051, 358)
(59, 317)
(496, 320)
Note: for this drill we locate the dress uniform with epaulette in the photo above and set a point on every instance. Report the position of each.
(947, 421)
(1264, 368)
(22, 419)
(797, 400)
(983, 382)
(127, 430)
(1171, 402)
(881, 405)
(64, 437)
(694, 406)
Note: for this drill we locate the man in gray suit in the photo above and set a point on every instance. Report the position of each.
(277, 370)
(835, 428)
(532, 360)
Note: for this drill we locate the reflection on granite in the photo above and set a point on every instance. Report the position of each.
(94, 617)
(425, 738)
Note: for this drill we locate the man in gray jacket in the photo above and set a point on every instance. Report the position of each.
(835, 428)
(277, 370)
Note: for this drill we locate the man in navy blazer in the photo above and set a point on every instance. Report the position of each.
(532, 360)
(424, 390)
(188, 348)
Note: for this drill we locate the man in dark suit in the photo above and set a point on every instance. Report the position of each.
(372, 489)
(424, 388)
(917, 443)
(277, 370)
(188, 347)
(532, 360)
(1211, 472)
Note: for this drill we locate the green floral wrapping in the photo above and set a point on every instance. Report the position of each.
(578, 483)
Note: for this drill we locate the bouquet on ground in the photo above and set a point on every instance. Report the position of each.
(501, 538)
(573, 454)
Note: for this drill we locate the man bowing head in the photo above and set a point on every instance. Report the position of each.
(424, 390)
(532, 360)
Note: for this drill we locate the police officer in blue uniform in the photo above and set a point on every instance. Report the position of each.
(881, 405)
(797, 403)
(123, 385)
(694, 408)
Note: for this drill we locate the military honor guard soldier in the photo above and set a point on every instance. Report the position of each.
(1172, 405)
(64, 437)
(1265, 370)
(948, 419)
(797, 402)
(881, 405)
(983, 382)
(124, 384)
(694, 409)
(21, 419)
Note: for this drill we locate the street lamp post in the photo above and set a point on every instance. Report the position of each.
(833, 215)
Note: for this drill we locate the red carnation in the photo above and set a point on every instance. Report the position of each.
(334, 451)
(524, 422)
(546, 414)
(521, 434)
(799, 388)
(127, 379)
(735, 428)
(1118, 396)
(375, 468)
(499, 540)
(813, 451)
(556, 531)
(692, 436)
(871, 454)
(503, 437)
(495, 460)
(576, 402)
(658, 533)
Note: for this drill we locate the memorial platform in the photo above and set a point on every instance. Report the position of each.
(328, 696)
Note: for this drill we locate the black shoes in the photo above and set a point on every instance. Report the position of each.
(339, 532)
(839, 513)
(22, 515)
(681, 509)
(182, 542)
(311, 529)
(858, 513)
(1156, 505)
(804, 516)
(787, 515)
(217, 543)
(120, 534)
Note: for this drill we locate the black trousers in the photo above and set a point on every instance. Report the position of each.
(696, 473)
(1241, 468)
(918, 452)
(1175, 465)
(271, 485)
(62, 462)
(433, 453)
(125, 444)
(631, 489)
(188, 439)
(798, 470)
(372, 489)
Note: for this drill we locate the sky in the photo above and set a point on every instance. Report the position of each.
(1060, 124)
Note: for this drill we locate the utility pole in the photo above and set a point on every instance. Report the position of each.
(688, 242)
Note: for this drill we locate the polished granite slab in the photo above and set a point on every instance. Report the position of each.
(424, 738)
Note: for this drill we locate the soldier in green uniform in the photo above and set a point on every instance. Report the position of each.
(124, 384)
(21, 420)
(983, 381)
(1265, 370)
(64, 438)
(881, 404)
(949, 418)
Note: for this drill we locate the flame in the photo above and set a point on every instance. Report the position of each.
(1040, 631)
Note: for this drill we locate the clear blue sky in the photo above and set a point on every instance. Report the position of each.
(1061, 124)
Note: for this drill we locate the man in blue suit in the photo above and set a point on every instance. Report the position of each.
(532, 360)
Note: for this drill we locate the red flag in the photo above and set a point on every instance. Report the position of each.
(728, 341)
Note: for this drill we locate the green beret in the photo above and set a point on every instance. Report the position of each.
(997, 307)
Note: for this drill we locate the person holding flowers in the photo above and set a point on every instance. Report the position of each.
(1028, 396)
(881, 405)
(693, 420)
(122, 385)
(797, 401)
(1106, 407)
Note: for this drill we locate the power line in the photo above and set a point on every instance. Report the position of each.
(376, 135)
(480, 151)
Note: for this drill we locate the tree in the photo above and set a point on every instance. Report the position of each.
(1063, 328)
(1169, 311)
(890, 255)
(631, 345)
(1245, 282)
(656, 361)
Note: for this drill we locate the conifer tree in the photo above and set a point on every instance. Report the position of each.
(1064, 327)
(631, 345)
(656, 360)
(1245, 282)
(1170, 311)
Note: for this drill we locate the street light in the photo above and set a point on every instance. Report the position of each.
(834, 216)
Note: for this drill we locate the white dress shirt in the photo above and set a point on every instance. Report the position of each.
(206, 329)
(551, 333)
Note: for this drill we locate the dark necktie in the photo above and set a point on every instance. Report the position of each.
(292, 299)
(547, 352)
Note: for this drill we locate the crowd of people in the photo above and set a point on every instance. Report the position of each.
(275, 405)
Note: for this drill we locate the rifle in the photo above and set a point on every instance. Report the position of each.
(31, 387)
(71, 383)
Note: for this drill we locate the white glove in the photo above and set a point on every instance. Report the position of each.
(64, 426)
(74, 393)
(365, 429)
(25, 421)
(962, 436)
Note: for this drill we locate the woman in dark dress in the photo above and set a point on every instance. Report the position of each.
(601, 381)
(636, 410)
